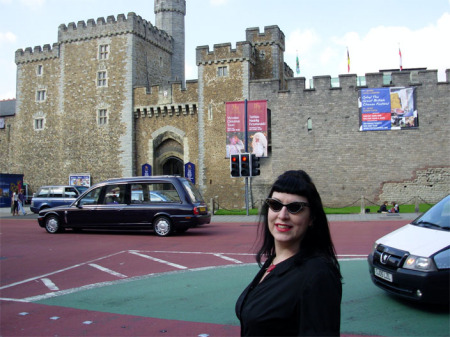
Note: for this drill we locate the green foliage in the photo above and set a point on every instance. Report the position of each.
(345, 210)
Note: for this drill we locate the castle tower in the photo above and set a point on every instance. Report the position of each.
(170, 18)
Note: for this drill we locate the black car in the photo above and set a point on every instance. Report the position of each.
(165, 204)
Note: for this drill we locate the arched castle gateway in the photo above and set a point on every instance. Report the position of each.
(110, 96)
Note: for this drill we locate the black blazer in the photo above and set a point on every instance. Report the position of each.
(293, 300)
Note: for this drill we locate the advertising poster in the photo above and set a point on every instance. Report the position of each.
(257, 126)
(387, 109)
(80, 179)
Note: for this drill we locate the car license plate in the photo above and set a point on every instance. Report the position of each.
(202, 209)
(382, 274)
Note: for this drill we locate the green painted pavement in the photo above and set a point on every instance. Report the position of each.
(208, 295)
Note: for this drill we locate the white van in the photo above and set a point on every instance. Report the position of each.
(414, 261)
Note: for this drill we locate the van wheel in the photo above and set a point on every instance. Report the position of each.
(162, 226)
(52, 224)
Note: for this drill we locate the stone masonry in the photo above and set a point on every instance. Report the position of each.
(110, 96)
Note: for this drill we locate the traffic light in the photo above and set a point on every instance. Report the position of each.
(235, 164)
(245, 165)
(255, 166)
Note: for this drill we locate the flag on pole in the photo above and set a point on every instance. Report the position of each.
(348, 61)
(297, 65)
(400, 55)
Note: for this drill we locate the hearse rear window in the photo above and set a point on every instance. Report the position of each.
(146, 193)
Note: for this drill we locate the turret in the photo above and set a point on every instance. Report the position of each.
(170, 18)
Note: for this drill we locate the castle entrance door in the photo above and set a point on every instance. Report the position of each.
(173, 166)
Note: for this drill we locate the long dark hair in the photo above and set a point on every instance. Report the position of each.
(317, 240)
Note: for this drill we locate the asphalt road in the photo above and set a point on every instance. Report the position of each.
(106, 283)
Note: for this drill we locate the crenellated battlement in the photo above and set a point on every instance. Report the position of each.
(271, 35)
(370, 80)
(131, 24)
(37, 53)
(223, 53)
(171, 99)
(92, 29)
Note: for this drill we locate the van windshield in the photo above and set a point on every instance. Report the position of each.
(193, 192)
(437, 217)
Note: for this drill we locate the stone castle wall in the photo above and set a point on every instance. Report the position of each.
(151, 119)
(72, 140)
(346, 163)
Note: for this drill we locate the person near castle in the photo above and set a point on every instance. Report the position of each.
(383, 208)
(15, 202)
(395, 208)
(298, 290)
(21, 202)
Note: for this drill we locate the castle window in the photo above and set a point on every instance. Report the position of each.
(40, 96)
(210, 113)
(39, 122)
(40, 70)
(262, 54)
(103, 52)
(102, 117)
(102, 80)
(222, 71)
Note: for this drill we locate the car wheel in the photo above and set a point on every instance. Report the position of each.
(162, 226)
(52, 224)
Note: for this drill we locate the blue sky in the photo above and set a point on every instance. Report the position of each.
(318, 30)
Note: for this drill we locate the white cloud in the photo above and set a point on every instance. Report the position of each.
(33, 4)
(190, 71)
(7, 37)
(378, 49)
(302, 41)
(8, 76)
(218, 2)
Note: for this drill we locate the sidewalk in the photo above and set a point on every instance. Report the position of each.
(331, 217)
(5, 212)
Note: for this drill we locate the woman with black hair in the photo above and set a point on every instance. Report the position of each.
(298, 290)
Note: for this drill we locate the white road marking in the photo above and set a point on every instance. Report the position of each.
(58, 271)
(49, 284)
(124, 278)
(159, 260)
(107, 270)
(227, 258)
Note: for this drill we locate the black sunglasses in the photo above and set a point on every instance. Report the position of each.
(293, 207)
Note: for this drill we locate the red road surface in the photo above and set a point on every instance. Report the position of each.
(29, 255)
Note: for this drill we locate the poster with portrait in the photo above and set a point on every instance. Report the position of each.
(387, 109)
(257, 128)
(80, 179)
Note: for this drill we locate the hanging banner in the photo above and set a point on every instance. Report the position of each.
(189, 172)
(257, 126)
(146, 170)
(387, 109)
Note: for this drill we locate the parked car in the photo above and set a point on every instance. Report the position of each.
(414, 261)
(164, 204)
(52, 196)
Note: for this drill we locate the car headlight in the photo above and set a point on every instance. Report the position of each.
(374, 248)
(442, 259)
(419, 263)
